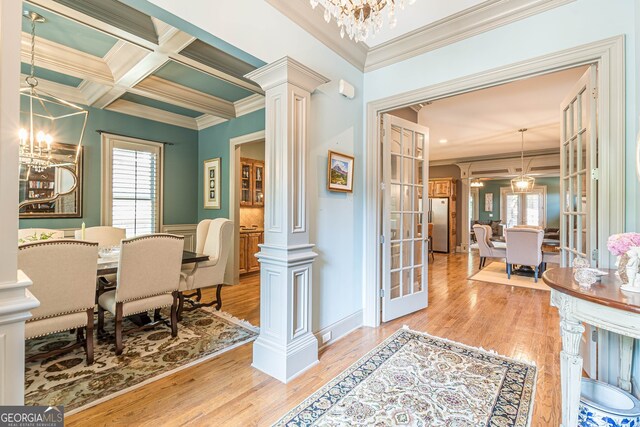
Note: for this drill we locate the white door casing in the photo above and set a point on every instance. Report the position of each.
(578, 171)
(404, 223)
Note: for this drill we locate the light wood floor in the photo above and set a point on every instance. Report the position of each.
(226, 391)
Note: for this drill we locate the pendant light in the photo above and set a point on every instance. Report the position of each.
(476, 183)
(522, 183)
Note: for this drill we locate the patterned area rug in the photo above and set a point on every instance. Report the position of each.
(419, 380)
(148, 356)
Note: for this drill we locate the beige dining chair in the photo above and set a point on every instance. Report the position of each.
(34, 233)
(148, 279)
(63, 273)
(485, 245)
(524, 247)
(105, 236)
(213, 238)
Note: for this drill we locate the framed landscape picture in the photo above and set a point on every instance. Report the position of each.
(212, 183)
(340, 172)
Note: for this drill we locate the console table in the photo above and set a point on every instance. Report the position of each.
(602, 305)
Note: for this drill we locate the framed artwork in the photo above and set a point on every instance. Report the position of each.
(488, 202)
(212, 183)
(340, 172)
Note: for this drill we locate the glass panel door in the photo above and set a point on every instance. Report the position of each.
(405, 147)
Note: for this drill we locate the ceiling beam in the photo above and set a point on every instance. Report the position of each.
(163, 90)
(151, 113)
(68, 93)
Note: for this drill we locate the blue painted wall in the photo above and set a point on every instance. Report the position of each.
(214, 142)
(180, 168)
(553, 199)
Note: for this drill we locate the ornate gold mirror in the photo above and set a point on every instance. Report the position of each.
(55, 192)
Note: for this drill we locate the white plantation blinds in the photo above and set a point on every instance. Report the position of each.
(132, 186)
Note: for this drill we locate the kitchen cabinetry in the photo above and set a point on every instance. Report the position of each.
(251, 182)
(249, 241)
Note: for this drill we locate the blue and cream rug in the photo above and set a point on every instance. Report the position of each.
(415, 379)
(148, 356)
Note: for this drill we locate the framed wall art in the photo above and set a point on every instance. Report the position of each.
(212, 183)
(340, 172)
(488, 202)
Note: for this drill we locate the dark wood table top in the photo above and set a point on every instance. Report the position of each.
(605, 292)
(187, 258)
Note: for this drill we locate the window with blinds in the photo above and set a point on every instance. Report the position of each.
(133, 183)
(523, 209)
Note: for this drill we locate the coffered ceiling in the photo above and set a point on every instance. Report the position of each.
(423, 26)
(105, 54)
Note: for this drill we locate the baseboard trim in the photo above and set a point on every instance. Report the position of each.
(339, 329)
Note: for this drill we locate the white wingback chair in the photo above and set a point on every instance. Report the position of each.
(524, 247)
(148, 278)
(63, 273)
(213, 238)
(485, 245)
(105, 236)
(25, 233)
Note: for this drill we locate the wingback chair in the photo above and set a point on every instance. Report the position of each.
(105, 236)
(524, 247)
(25, 233)
(485, 245)
(213, 238)
(148, 279)
(63, 273)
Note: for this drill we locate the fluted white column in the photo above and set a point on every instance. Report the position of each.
(15, 300)
(286, 345)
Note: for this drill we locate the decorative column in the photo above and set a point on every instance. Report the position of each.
(626, 358)
(466, 221)
(15, 300)
(571, 330)
(286, 346)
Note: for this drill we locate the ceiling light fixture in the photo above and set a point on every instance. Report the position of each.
(522, 183)
(443, 141)
(44, 112)
(360, 18)
(476, 183)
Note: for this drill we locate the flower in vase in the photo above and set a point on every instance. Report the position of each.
(619, 244)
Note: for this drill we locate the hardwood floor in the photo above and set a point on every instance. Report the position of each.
(226, 391)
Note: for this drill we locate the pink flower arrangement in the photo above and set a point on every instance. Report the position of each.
(619, 244)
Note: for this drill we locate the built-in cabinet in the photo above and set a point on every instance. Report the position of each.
(251, 182)
(446, 187)
(249, 241)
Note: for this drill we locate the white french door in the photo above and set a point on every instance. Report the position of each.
(404, 227)
(578, 158)
(523, 209)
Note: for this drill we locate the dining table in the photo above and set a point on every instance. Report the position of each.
(109, 264)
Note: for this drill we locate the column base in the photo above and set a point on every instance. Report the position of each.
(285, 363)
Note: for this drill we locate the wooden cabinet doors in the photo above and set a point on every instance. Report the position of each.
(243, 268)
(253, 240)
(442, 189)
(251, 182)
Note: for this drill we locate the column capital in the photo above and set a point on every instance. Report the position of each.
(287, 70)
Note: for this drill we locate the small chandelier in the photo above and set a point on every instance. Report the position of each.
(44, 113)
(359, 18)
(476, 183)
(522, 183)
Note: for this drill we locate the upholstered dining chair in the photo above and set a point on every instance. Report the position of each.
(105, 236)
(213, 238)
(63, 273)
(148, 279)
(26, 233)
(485, 245)
(524, 247)
(550, 257)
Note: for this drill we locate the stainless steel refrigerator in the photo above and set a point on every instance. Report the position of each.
(439, 217)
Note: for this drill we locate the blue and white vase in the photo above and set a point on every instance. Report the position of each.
(603, 405)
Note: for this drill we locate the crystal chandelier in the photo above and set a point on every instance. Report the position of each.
(476, 183)
(44, 115)
(359, 18)
(522, 183)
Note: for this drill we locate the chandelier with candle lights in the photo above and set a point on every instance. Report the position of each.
(42, 115)
(522, 183)
(360, 18)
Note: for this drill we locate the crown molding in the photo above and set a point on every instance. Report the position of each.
(206, 121)
(503, 156)
(312, 21)
(249, 105)
(150, 113)
(484, 17)
(287, 70)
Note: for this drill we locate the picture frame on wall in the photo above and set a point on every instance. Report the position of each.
(340, 172)
(211, 186)
(488, 202)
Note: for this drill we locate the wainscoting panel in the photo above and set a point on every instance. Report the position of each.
(186, 230)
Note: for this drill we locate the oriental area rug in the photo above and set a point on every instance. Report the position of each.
(148, 356)
(415, 379)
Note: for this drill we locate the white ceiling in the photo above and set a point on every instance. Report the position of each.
(418, 15)
(486, 122)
